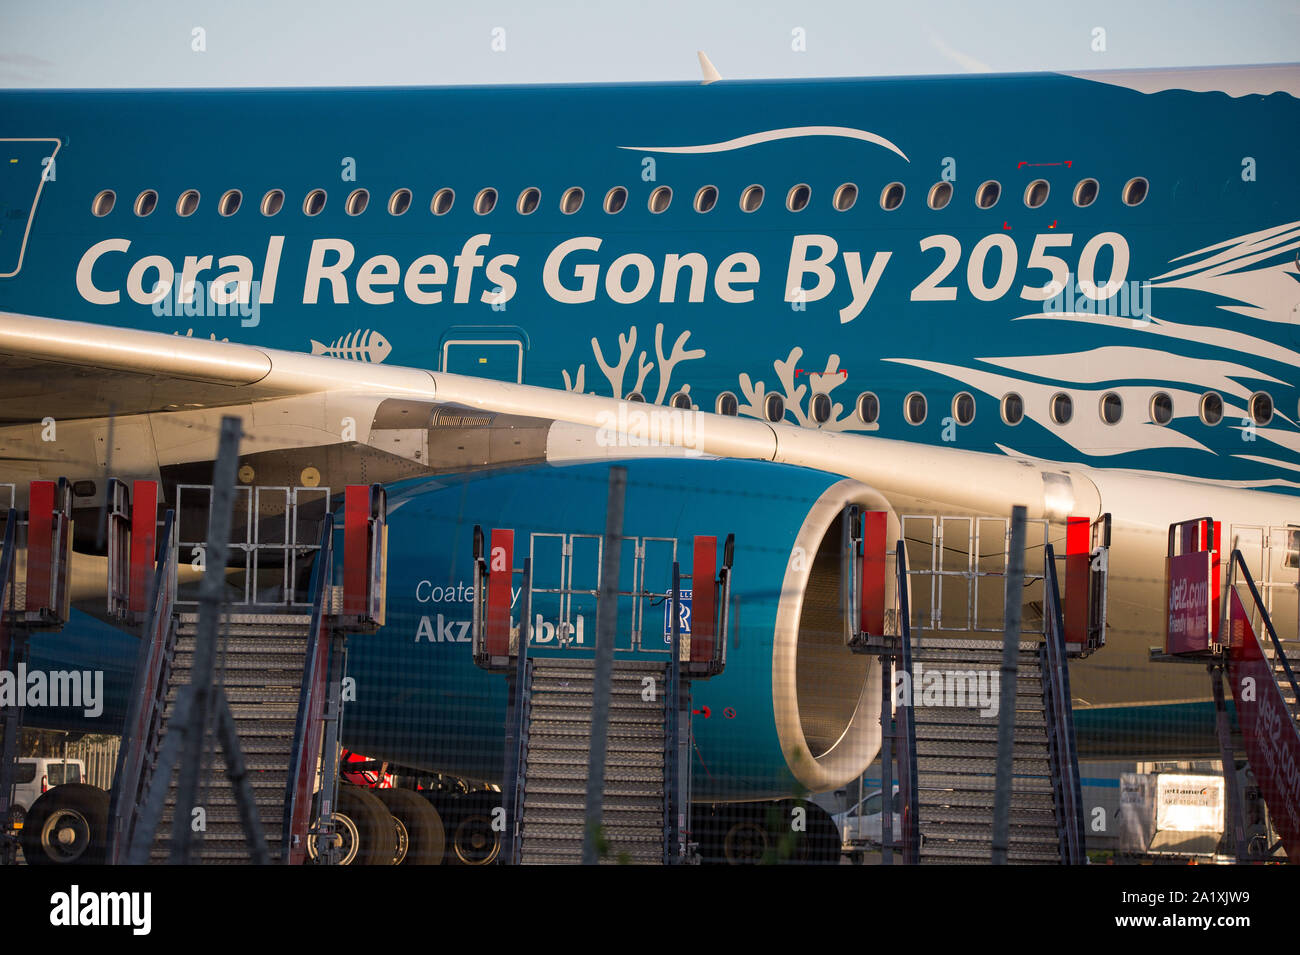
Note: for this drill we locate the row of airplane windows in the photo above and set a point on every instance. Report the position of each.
(1160, 407)
(661, 197)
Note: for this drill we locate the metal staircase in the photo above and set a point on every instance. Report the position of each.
(274, 706)
(956, 755)
(35, 558)
(943, 736)
(556, 745)
(553, 698)
(265, 658)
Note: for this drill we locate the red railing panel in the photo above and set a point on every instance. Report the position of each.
(704, 571)
(501, 556)
(1078, 561)
(875, 527)
(144, 543)
(356, 550)
(40, 544)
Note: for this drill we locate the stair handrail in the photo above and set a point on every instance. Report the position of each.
(148, 695)
(907, 777)
(8, 577)
(672, 737)
(308, 726)
(517, 716)
(1056, 692)
(723, 609)
(8, 566)
(1237, 561)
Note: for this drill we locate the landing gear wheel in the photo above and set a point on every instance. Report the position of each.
(421, 824)
(364, 830)
(746, 841)
(401, 841)
(473, 839)
(67, 826)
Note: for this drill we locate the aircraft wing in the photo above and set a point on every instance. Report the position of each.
(61, 369)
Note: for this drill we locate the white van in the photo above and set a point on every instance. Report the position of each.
(34, 775)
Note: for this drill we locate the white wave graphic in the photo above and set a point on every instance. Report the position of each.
(772, 135)
(1269, 292)
(1260, 459)
(1204, 334)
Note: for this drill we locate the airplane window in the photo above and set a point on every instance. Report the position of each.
(314, 202)
(988, 194)
(963, 407)
(681, 400)
(796, 199)
(571, 201)
(187, 203)
(399, 202)
(1135, 190)
(485, 201)
(228, 205)
(914, 408)
(357, 202)
(940, 195)
(146, 202)
(1036, 193)
(528, 201)
(1013, 408)
(727, 404)
(774, 407)
(1112, 408)
(1085, 193)
(751, 198)
(821, 408)
(1211, 408)
(635, 396)
(273, 202)
(706, 198)
(845, 196)
(1062, 408)
(1261, 408)
(868, 408)
(103, 203)
(1162, 408)
(660, 199)
(891, 197)
(615, 200)
(442, 202)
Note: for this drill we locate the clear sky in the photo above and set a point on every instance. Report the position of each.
(63, 43)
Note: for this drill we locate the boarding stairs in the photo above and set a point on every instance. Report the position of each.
(1228, 627)
(552, 701)
(35, 549)
(944, 737)
(556, 746)
(275, 672)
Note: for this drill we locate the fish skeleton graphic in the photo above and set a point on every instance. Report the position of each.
(359, 346)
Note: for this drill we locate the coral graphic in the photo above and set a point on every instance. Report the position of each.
(755, 394)
(615, 372)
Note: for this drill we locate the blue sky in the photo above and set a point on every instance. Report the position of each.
(59, 43)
